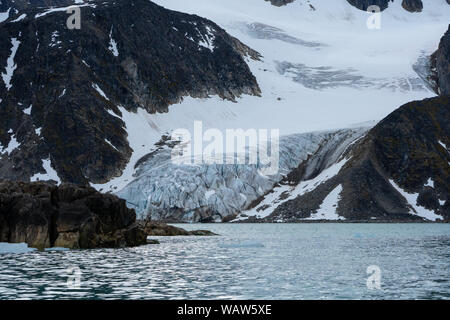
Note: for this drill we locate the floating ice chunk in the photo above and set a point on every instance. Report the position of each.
(57, 249)
(243, 244)
(14, 248)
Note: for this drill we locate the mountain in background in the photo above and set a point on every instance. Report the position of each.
(441, 65)
(97, 105)
(400, 170)
(409, 5)
(64, 91)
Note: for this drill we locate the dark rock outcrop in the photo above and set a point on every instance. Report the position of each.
(61, 102)
(280, 3)
(155, 228)
(441, 64)
(409, 5)
(409, 148)
(44, 216)
(412, 5)
(360, 4)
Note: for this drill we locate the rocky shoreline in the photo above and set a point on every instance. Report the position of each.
(155, 228)
(72, 216)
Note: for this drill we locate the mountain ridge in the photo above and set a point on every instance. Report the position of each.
(66, 90)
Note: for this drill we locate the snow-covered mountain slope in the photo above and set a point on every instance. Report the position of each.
(321, 69)
(399, 171)
(69, 96)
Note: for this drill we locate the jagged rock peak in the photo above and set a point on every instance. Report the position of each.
(412, 5)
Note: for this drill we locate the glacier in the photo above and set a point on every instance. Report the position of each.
(164, 190)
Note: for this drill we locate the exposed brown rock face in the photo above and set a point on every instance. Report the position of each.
(43, 216)
(409, 147)
(412, 5)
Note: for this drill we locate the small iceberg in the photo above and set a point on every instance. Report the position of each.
(244, 244)
(57, 249)
(14, 248)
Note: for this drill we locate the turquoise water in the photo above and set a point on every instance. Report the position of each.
(248, 261)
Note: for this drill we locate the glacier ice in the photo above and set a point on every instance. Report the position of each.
(164, 190)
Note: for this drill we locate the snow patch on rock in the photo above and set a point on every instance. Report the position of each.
(327, 210)
(113, 45)
(417, 210)
(11, 66)
(50, 173)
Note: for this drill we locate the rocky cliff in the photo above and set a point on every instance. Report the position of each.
(441, 62)
(44, 216)
(168, 191)
(409, 5)
(62, 90)
(398, 172)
